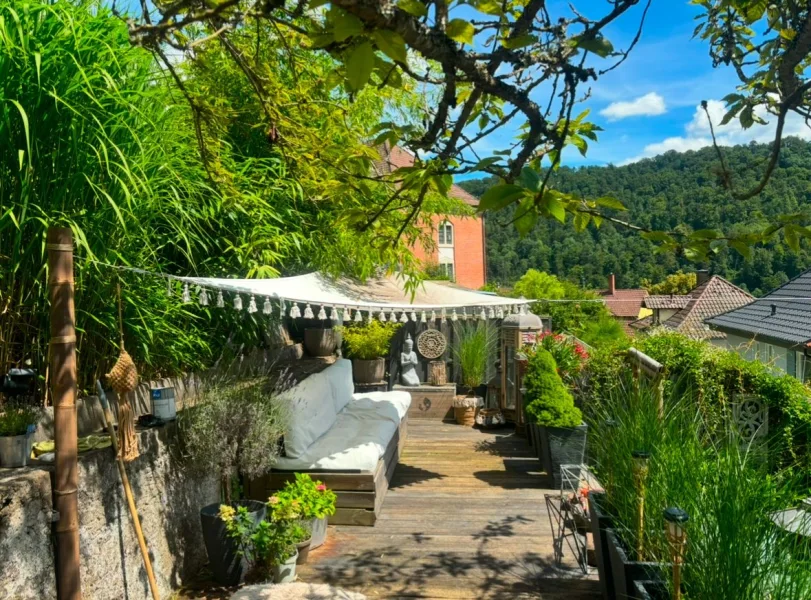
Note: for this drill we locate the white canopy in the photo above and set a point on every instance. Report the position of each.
(386, 293)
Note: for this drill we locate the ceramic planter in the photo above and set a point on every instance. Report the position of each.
(561, 446)
(627, 572)
(285, 572)
(15, 450)
(321, 342)
(319, 531)
(600, 521)
(368, 371)
(227, 565)
(651, 590)
(303, 549)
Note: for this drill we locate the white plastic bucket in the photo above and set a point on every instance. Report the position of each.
(163, 403)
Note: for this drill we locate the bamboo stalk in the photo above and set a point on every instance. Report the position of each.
(63, 377)
(122, 471)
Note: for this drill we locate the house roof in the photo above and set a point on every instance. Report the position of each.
(711, 298)
(666, 301)
(642, 323)
(624, 303)
(783, 315)
(394, 157)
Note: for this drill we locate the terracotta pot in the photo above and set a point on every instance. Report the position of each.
(368, 371)
(320, 342)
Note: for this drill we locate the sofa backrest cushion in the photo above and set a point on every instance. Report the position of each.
(312, 413)
(340, 377)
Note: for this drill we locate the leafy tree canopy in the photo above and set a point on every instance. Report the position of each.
(519, 62)
(678, 283)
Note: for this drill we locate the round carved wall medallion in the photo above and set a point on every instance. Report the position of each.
(432, 343)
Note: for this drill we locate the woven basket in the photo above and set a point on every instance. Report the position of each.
(123, 377)
(465, 415)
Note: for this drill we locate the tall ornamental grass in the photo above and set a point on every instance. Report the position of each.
(734, 550)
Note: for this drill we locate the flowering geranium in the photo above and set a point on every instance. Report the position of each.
(569, 355)
(311, 499)
(321, 487)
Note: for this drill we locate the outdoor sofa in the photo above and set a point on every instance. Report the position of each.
(351, 442)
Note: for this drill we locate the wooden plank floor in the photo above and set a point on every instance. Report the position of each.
(465, 517)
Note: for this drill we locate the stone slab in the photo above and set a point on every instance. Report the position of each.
(295, 591)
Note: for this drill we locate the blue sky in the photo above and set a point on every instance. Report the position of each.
(649, 104)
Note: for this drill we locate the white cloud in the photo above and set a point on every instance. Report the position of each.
(697, 132)
(648, 105)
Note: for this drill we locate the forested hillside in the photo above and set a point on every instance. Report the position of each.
(675, 190)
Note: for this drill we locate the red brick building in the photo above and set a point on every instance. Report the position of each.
(459, 245)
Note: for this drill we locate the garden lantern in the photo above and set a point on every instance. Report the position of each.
(517, 330)
(675, 518)
(639, 467)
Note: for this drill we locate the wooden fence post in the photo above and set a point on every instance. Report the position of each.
(59, 244)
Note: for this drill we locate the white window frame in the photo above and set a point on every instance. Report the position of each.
(446, 231)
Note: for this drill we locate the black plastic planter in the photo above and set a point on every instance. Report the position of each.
(561, 446)
(600, 521)
(651, 590)
(227, 566)
(627, 572)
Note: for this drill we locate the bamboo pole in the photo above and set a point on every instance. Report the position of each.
(136, 521)
(62, 370)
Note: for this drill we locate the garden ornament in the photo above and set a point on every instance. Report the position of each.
(408, 364)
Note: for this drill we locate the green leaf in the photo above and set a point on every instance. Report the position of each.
(790, 235)
(741, 248)
(460, 31)
(413, 7)
(486, 162)
(551, 202)
(530, 179)
(519, 41)
(345, 25)
(24, 117)
(489, 7)
(747, 118)
(705, 234)
(500, 196)
(596, 44)
(359, 66)
(526, 217)
(581, 221)
(392, 45)
(609, 202)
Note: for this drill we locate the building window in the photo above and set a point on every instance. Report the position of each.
(447, 269)
(446, 234)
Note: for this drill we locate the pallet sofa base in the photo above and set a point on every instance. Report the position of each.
(360, 493)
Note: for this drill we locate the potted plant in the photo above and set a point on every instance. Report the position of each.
(18, 423)
(315, 504)
(473, 348)
(367, 345)
(321, 341)
(303, 537)
(233, 428)
(269, 545)
(550, 406)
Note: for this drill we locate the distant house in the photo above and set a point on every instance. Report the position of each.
(624, 305)
(687, 314)
(775, 329)
(459, 246)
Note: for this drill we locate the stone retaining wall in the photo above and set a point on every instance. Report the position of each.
(168, 496)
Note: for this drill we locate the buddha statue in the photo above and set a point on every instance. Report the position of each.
(408, 364)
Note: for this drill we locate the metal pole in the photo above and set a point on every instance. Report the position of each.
(63, 384)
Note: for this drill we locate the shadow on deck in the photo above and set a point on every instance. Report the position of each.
(464, 517)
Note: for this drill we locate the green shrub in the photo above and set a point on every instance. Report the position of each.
(312, 499)
(473, 348)
(15, 419)
(370, 340)
(549, 403)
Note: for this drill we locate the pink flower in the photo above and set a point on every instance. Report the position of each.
(321, 487)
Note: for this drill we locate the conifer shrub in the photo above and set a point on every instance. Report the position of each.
(549, 402)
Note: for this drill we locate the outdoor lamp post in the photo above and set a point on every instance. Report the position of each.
(677, 537)
(640, 471)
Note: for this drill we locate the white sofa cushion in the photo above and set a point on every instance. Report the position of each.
(312, 413)
(359, 437)
(340, 377)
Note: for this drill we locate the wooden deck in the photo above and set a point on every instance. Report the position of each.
(464, 517)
